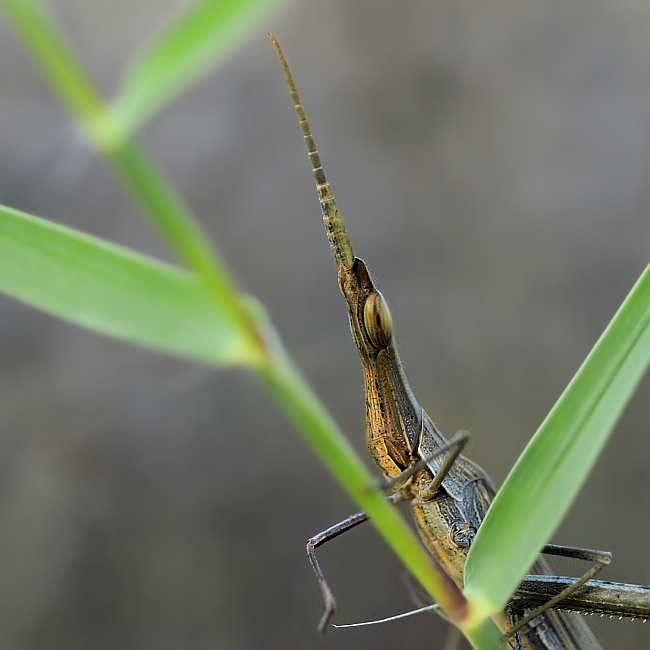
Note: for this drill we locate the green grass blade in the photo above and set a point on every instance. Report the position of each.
(39, 32)
(167, 210)
(162, 205)
(187, 49)
(543, 483)
(114, 291)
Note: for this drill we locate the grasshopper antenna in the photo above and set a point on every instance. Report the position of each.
(336, 232)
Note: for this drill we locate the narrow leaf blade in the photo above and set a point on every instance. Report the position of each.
(186, 50)
(114, 291)
(543, 483)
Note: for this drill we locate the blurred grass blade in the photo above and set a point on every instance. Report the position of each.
(543, 483)
(39, 31)
(117, 292)
(155, 194)
(166, 209)
(191, 45)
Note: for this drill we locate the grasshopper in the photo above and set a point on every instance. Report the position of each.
(448, 493)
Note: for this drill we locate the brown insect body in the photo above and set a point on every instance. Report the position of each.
(399, 432)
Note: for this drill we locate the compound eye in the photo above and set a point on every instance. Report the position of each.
(378, 321)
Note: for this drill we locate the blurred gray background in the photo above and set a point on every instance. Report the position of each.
(492, 161)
